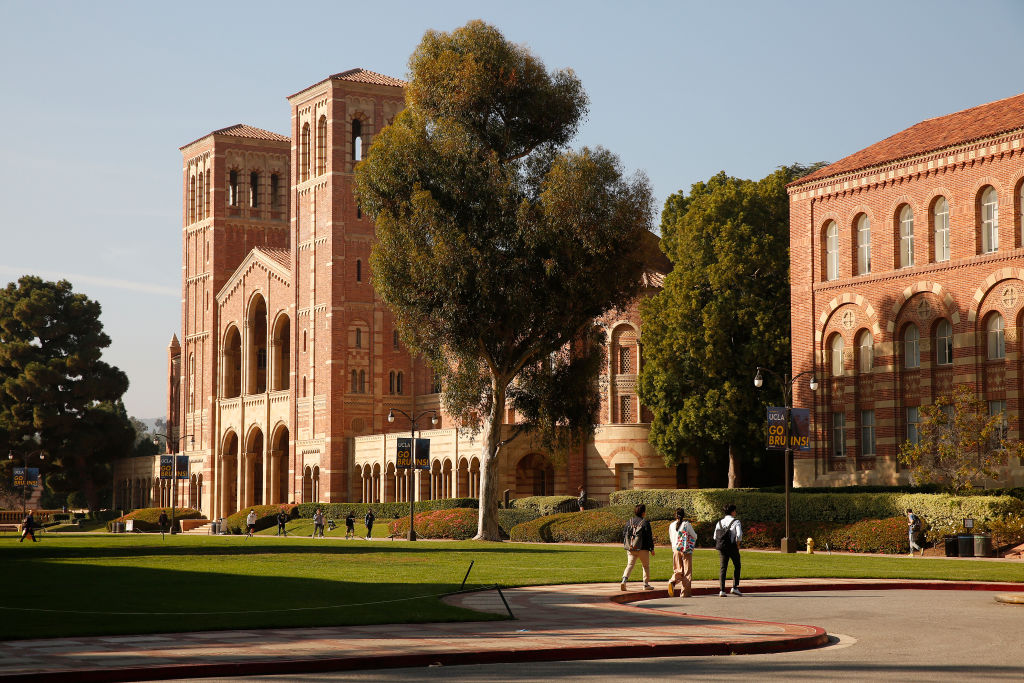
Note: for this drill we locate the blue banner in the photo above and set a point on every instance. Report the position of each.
(29, 479)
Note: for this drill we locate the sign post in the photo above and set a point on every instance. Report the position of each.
(412, 454)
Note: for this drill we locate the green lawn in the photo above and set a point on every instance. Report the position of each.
(137, 583)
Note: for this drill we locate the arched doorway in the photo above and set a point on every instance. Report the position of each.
(280, 346)
(229, 475)
(360, 494)
(316, 483)
(279, 447)
(253, 482)
(256, 326)
(446, 479)
(307, 484)
(474, 478)
(535, 476)
(390, 485)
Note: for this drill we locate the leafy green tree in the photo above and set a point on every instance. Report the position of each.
(724, 310)
(56, 393)
(959, 444)
(144, 445)
(497, 246)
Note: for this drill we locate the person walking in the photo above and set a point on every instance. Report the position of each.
(282, 519)
(162, 522)
(914, 526)
(638, 540)
(28, 527)
(728, 534)
(682, 539)
(581, 497)
(350, 525)
(250, 523)
(368, 521)
(318, 523)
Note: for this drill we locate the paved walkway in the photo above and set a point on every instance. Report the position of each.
(585, 621)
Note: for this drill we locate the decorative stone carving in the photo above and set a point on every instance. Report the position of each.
(849, 319)
(924, 309)
(1010, 297)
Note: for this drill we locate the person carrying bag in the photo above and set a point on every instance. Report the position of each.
(728, 534)
(683, 540)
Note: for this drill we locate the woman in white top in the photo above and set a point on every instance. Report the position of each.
(683, 539)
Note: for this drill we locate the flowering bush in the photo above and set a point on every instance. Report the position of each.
(457, 523)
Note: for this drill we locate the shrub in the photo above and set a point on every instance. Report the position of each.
(145, 519)
(602, 525)
(873, 536)
(545, 505)
(511, 517)
(938, 509)
(454, 523)
(389, 510)
(1007, 531)
(266, 517)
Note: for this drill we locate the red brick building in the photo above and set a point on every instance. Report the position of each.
(907, 280)
(288, 361)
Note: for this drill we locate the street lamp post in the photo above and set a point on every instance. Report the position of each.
(787, 394)
(174, 467)
(24, 485)
(412, 465)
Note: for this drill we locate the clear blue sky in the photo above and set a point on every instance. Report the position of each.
(98, 96)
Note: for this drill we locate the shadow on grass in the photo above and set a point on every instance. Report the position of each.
(57, 599)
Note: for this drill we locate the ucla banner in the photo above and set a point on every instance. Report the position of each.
(403, 456)
(799, 429)
(182, 466)
(423, 454)
(26, 476)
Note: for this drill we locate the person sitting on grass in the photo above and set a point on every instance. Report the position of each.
(250, 523)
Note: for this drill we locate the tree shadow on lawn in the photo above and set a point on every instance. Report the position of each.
(240, 546)
(57, 599)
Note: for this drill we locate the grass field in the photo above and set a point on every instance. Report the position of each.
(137, 583)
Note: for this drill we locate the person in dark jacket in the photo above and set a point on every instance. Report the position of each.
(638, 540)
(350, 524)
(282, 519)
(163, 522)
(28, 527)
(368, 521)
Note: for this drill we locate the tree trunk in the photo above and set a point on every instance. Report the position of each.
(487, 525)
(88, 489)
(734, 469)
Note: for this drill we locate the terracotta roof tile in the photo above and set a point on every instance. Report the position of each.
(281, 256)
(364, 76)
(930, 135)
(240, 130)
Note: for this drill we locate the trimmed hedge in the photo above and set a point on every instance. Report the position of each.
(338, 511)
(603, 525)
(457, 523)
(545, 505)
(145, 519)
(1015, 492)
(938, 509)
(266, 517)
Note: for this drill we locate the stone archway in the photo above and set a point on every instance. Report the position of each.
(535, 476)
(228, 475)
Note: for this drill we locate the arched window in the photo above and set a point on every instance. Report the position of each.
(989, 220)
(832, 251)
(399, 382)
(362, 381)
(906, 237)
(863, 245)
(391, 382)
(233, 188)
(201, 197)
(357, 140)
(321, 145)
(394, 339)
(303, 385)
(911, 347)
(836, 348)
(940, 217)
(866, 351)
(359, 338)
(359, 270)
(192, 199)
(435, 384)
(995, 347)
(355, 381)
(944, 343)
(254, 189)
(304, 153)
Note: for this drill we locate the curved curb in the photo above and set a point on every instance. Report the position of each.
(624, 598)
(1011, 599)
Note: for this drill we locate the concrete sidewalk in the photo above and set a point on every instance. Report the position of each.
(583, 621)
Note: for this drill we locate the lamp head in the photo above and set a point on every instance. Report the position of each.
(758, 380)
(391, 416)
(433, 420)
(814, 383)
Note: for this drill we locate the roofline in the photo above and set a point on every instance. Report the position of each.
(336, 76)
(220, 132)
(262, 257)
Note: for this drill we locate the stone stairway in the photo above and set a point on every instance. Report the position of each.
(202, 530)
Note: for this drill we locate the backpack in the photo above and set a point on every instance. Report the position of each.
(634, 537)
(723, 536)
(916, 525)
(684, 544)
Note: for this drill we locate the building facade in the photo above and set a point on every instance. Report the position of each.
(907, 280)
(289, 363)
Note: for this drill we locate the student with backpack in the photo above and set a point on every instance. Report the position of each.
(368, 521)
(638, 540)
(728, 534)
(683, 539)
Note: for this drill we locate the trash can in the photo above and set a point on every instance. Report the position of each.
(222, 528)
(965, 545)
(951, 547)
(215, 528)
(982, 545)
